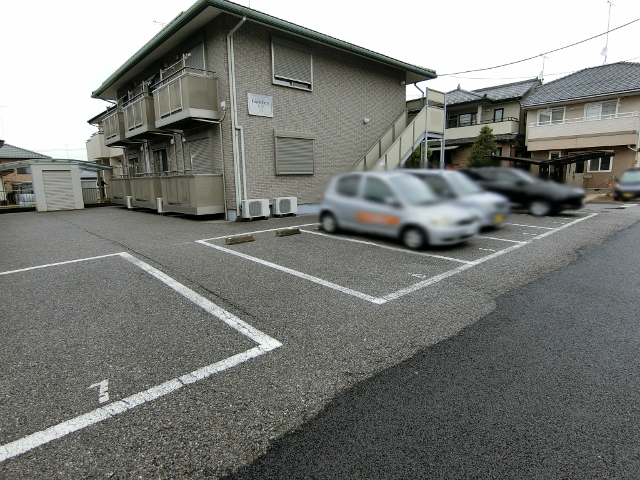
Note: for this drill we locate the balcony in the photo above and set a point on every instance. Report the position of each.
(113, 127)
(120, 187)
(185, 94)
(139, 114)
(506, 126)
(571, 133)
(193, 194)
(145, 188)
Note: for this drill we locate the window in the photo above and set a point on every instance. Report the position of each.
(600, 164)
(348, 186)
(554, 154)
(23, 170)
(294, 153)
(579, 167)
(552, 115)
(468, 119)
(452, 121)
(377, 191)
(292, 64)
(596, 111)
(160, 161)
(498, 114)
(200, 154)
(498, 152)
(133, 165)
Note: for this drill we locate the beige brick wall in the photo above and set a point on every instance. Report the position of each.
(346, 89)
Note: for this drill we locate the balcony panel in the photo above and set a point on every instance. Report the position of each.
(193, 194)
(624, 124)
(140, 118)
(144, 190)
(472, 131)
(120, 189)
(184, 98)
(114, 130)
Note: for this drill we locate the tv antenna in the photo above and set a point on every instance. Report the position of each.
(606, 47)
(155, 22)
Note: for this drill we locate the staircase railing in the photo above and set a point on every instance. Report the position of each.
(401, 139)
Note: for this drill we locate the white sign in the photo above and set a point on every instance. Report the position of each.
(261, 105)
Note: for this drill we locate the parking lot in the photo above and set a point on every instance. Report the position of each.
(141, 344)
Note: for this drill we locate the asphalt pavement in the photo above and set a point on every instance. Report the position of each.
(143, 346)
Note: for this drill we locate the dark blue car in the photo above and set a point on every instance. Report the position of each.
(628, 185)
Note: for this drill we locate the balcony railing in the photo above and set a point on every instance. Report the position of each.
(139, 114)
(623, 124)
(453, 122)
(184, 93)
(113, 126)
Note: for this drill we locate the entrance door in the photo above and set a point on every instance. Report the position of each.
(575, 174)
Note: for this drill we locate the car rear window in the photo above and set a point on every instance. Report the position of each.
(630, 176)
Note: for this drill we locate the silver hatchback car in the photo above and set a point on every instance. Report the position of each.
(394, 204)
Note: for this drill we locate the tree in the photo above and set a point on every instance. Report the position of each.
(414, 160)
(482, 149)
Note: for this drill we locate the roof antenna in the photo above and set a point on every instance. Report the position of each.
(541, 74)
(606, 47)
(155, 22)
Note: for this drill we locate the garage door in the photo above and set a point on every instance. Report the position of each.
(58, 190)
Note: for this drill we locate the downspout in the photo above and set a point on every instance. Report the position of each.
(423, 156)
(443, 143)
(237, 153)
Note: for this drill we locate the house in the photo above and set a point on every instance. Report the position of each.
(468, 111)
(16, 179)
(227, 110)
(583, 129)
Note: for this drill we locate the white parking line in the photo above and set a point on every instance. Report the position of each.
(530, 226)
(401, 292)
(501, 239)
(290, 271)
(396, 249)
(60, 263)
(265, 344)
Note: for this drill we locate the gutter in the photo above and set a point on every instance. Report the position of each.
(568, 101)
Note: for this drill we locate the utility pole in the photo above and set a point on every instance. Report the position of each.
(606, 47)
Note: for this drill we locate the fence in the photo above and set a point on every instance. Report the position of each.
(19, 197)
(92, 195)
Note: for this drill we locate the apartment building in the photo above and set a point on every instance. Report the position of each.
(226, 110)
(498, 107)
(582, 129)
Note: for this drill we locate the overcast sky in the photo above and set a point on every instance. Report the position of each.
(54, 54)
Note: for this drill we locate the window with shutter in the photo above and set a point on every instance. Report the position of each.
(294, 153)
(200, 152)
(292, 65)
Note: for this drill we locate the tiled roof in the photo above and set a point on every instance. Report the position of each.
(589, 82)
(9, 151)
(494, 94)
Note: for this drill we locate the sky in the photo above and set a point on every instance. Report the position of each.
(54, 54)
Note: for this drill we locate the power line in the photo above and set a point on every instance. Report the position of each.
(541, 54)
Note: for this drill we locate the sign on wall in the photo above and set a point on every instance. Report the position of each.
(260, 105)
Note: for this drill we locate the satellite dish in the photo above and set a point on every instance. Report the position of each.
(604, 52)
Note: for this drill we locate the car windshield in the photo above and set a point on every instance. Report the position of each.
(630, 176)
(412, 190)
(462, 185)
(523, 175)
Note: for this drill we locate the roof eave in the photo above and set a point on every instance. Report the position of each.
(414, 74)
(578, 99)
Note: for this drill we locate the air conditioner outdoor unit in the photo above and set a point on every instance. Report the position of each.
(285, 206)
(255, 208)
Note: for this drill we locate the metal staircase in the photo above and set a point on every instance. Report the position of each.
(404, 135)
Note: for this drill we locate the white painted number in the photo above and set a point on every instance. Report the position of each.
(103, 390)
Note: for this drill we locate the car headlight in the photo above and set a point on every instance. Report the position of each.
(441, 221)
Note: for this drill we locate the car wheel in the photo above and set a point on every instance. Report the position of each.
(539, 208)
(329, 223)
(414, 238)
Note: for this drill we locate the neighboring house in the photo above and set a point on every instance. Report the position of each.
(227, 104)
(98, 152)
(12, 179)
(468, 111)
(584, 127)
